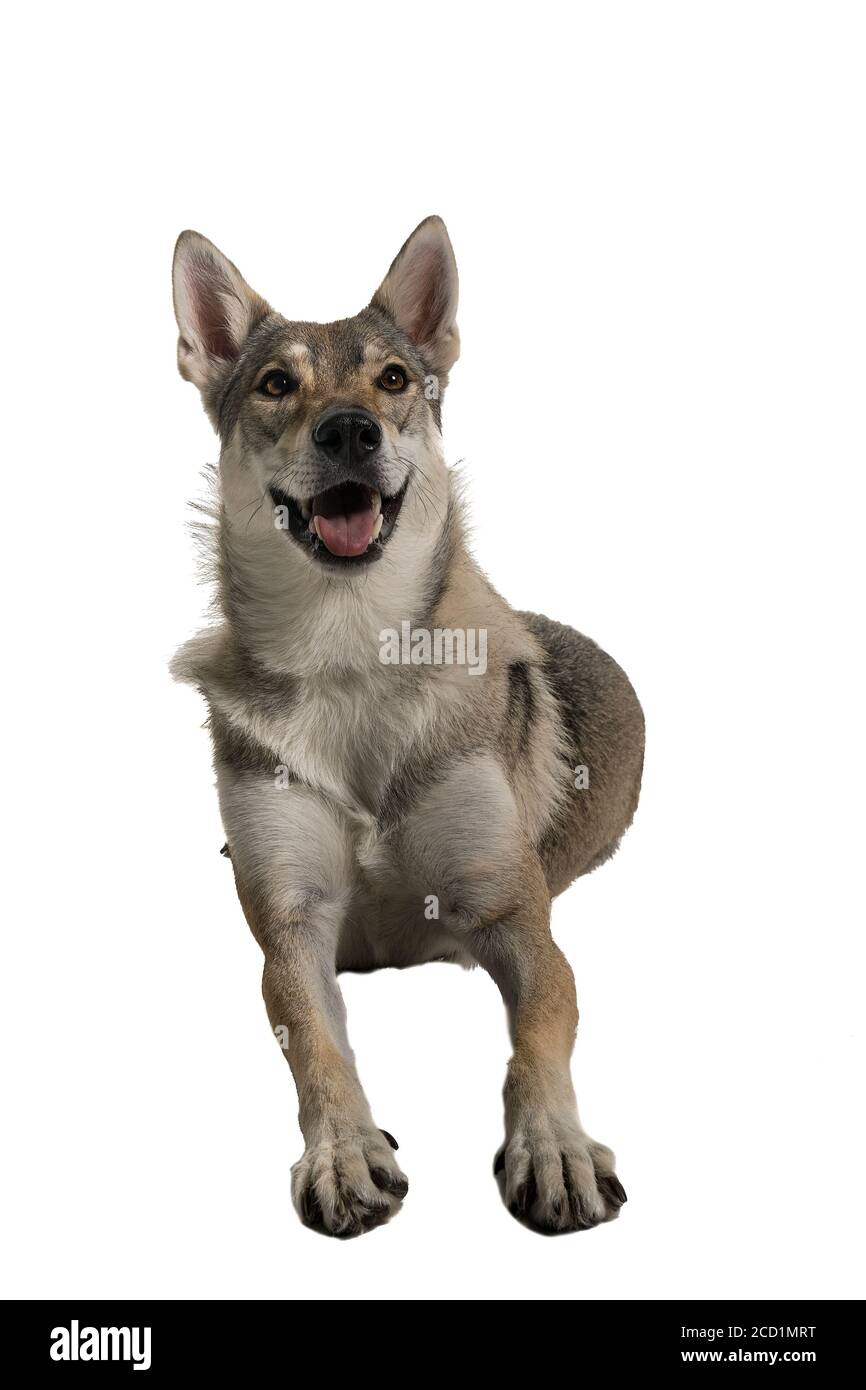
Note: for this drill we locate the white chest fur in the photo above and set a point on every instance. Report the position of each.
(346, 736)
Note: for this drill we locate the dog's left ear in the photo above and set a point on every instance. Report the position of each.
(420, 294)
(215, 310)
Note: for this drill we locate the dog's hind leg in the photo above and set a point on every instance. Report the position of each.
(603, 738)
(292, 857)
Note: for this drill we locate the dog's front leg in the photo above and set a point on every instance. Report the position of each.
(555, 1176)
(293, 863)
(464, 842)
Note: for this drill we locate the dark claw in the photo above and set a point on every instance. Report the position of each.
(391, 1140)
(388, 1183)
(574, 1203)
(578, 1214)
(225, 852)
(311, 1208)
(375, 1211)
(374, 1217)
(354, 1227)
(611, 1188)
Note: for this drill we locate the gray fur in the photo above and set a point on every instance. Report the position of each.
(354, 792)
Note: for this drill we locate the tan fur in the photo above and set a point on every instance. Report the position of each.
(355, 793)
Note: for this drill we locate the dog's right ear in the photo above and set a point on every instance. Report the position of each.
(214, 307)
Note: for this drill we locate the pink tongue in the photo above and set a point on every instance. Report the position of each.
(347, 535)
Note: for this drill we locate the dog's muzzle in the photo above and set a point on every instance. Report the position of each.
(349, 523)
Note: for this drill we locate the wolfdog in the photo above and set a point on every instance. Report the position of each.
(391, 812)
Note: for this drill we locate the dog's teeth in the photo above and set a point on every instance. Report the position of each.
(314, 526)
(376, 502)
(377, 528)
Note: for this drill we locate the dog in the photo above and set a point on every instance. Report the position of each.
(391, 810)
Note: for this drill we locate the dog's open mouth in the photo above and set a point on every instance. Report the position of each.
(350, 522)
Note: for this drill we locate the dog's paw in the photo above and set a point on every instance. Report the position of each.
(557, 1184)
(346, 1185)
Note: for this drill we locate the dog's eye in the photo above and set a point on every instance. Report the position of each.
(277, 384)
(393, 379)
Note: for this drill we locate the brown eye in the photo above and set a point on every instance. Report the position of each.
(393, 379)
(277, 384)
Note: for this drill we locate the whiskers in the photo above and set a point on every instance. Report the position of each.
(424, 488)
(279, 480)
(303, 482)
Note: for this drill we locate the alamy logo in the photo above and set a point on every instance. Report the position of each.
(443, 646)
(75, 1343)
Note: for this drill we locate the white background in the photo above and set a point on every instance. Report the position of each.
(658, 214)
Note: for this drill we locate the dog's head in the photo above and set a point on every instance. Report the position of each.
(334, 427)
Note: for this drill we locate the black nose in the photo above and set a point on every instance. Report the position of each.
(349, 436)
